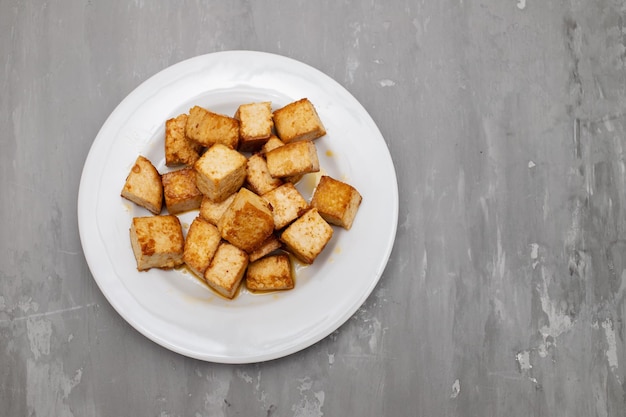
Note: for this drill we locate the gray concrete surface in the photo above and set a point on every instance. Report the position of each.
(505, 293)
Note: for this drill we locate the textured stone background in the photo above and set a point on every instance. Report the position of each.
(506, 290)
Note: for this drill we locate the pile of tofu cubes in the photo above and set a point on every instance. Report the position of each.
(239, 173)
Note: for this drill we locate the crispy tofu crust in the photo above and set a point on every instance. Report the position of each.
(255, 125)
(287, 204)
(336, 201)
(179, 150)
(247, 222)
(227, 269)
(271, 244)
(157, 242)
(143, 186)
(212, 211)
(207, 128)
(221, 171)
(272, 273)
(292, 159)
(307, 236)
(258, 178)
(298, 121)
(180, 191)
(202, 241)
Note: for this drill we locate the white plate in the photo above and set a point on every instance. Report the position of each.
(173, 308)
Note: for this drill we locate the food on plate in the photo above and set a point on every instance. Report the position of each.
(270, 245)
(179, 149)
(220, 171)
(307, 236)
(207, 128)
(272, 273)
(226, 270)
(336, 201)
(157, 241)
(201, 242)
(255, 125)
(247, 222)
(295, 158)
(287, 204)
(143, 186)
(298, 121)
(258, 178)
(180, 191)
(239, 173)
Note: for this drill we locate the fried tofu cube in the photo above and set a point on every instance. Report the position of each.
(208, 128)
(255, 125)
(307, 236)
(143, 186)
(258, 178)
(202, 241)
(271, 244)
(272, 273)
(220, 171)
(157, 241)
(179, 150)
(272, 143)
(180, 190)
(336, 201)
(298, 121)
(287, 204)
(227, 269)
(292, 159)
(247, 222)
(212, 211)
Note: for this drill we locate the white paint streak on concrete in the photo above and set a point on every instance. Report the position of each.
(558, 321)
(386, 83)
(531, 164)
(611, 351)
(48, 388)
(456, 389)
(424, 265)
(39, 332)
(523, 361)
(311, 402)
(244, 376)
(534, 254)
(331, 358)
(521, 4)
(214, 399)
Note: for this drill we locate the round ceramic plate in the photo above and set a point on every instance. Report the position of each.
(174, 308)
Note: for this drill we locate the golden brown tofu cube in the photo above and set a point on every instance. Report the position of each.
(272, 143)
(298, 121)
(212, 211)
(157, 242)
(208, 128)
(307, 236)
(270, 245)
(272, 273)
(292, 159)
(227, 269)
(336, 201)
(287, 204)
(181, 193)
(258, 178)
(179, 150)
(255, 125)
(247, 222)
(220, 172)
(143, 186)
(202, 241)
